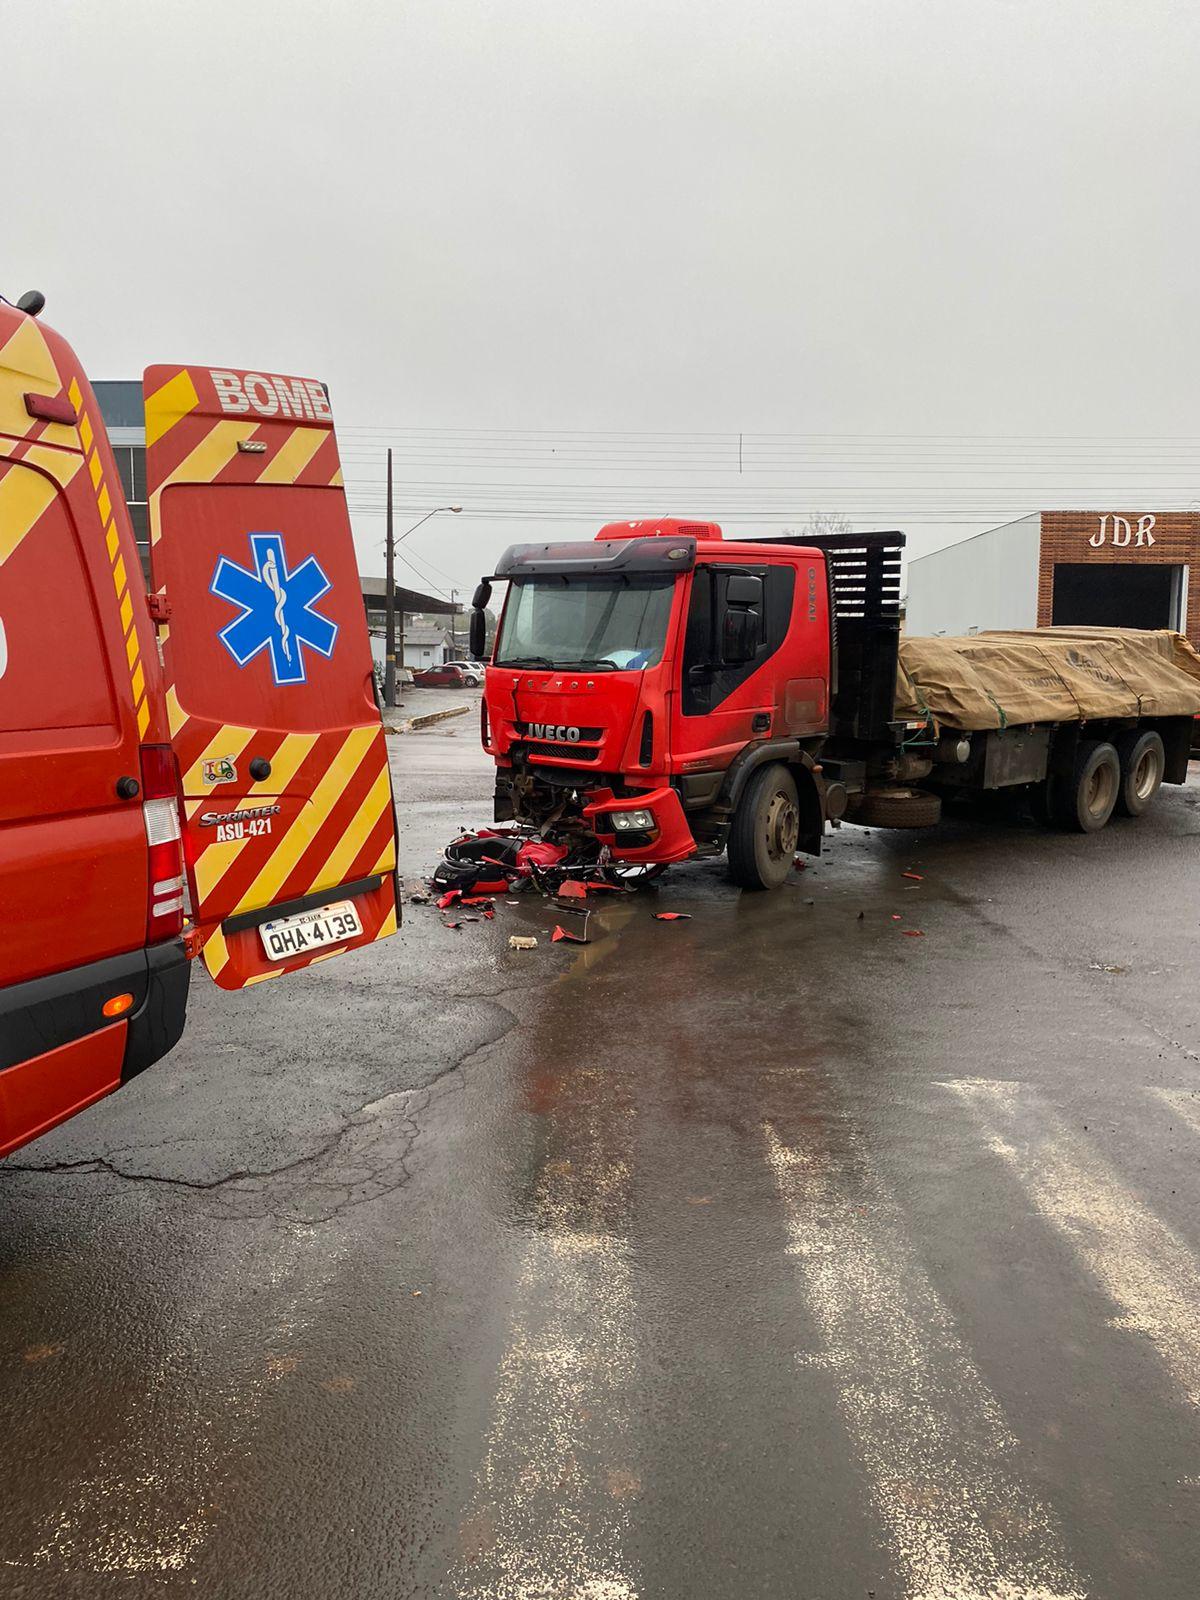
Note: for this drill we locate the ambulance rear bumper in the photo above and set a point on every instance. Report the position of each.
(44, 1014)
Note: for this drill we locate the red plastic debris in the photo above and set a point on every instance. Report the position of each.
(913, 933)
(800, 864)
(565, 933)
(540, 853)
(915, 876)
(572, 889)
(895, 916)
(448, 899)
(476, 900)
(489, 913)
(454, 925)
(672, 916)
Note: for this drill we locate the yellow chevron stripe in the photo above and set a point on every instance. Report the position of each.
(290, 460)
(216, 952)
(275, 972)
(28, 367)
(169, 405)
(95, 468)
(24, 496)
(216, 859)
(85, 423)
(216, 450)
(176, 715)
(337, 481)
(342, 857)
(119, 572)
(112, 540)
(388, 925)
(131, 649)
(387, 861)
(62, 465)
(300, 835)
(143, 719)
(139, 681)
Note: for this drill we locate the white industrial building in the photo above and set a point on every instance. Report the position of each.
(1113, 569)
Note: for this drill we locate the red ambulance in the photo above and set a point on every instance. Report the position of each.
(195, 770)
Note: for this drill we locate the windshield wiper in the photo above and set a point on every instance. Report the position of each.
(592, 661)
(526, 661)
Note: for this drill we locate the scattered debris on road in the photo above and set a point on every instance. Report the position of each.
(521, 941)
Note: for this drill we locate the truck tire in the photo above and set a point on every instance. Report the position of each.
(1143, 761)
(898, 808)
(764, 830)
(1084, 801)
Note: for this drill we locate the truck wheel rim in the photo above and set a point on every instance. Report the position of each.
(1101, 790)
(783, 827)
(1145, 775)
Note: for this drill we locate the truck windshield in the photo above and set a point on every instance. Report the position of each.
(604, 624)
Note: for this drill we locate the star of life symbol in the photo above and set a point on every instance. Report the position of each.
(276, 604)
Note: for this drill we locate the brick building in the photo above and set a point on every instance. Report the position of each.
(1124, 569)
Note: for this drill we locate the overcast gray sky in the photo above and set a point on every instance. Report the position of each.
(945, 254)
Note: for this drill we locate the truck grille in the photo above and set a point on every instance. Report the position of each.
(559, 752)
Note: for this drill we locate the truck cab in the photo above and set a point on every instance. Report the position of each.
(672, 691)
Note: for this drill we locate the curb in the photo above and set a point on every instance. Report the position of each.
(415, 724)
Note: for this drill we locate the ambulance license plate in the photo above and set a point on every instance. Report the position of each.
(310, 930)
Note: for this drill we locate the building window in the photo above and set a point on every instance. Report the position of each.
(131, 467)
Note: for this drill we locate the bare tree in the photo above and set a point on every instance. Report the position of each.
(822, 522)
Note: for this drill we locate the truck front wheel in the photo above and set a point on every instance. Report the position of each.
(1142, 763)
(764, 830)
(1084, 801)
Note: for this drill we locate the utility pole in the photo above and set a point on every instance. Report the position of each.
(392, 614)
(454, 622)
(389, 668)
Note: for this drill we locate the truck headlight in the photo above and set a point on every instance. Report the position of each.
(632, 821)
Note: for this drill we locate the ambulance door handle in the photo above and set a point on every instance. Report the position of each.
(128, 788)
(260, 768)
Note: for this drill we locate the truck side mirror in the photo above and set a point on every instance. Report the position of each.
(741, 619)
(482, 596)
(743, 589)
(739, 636)
(477, 637)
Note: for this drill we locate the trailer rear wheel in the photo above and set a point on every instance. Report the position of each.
(1143, 761)
(765, 829)
(1084, 801)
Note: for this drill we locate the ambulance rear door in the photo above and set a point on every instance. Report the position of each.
(289, 821)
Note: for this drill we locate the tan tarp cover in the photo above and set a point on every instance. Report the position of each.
(997, 680)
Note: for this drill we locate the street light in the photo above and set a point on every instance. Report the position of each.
(389, 667)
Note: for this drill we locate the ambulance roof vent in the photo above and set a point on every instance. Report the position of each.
(32, 302)
(660, 528)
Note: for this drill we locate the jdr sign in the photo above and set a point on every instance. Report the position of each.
(1120, 531)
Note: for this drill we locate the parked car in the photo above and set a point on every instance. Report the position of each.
(450, 675)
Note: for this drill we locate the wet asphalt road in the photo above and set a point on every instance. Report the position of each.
(772, 1253)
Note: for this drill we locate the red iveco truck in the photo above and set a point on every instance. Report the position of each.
(216, 737)
(671, 694)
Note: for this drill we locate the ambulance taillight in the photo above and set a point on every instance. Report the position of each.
(164, 838)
